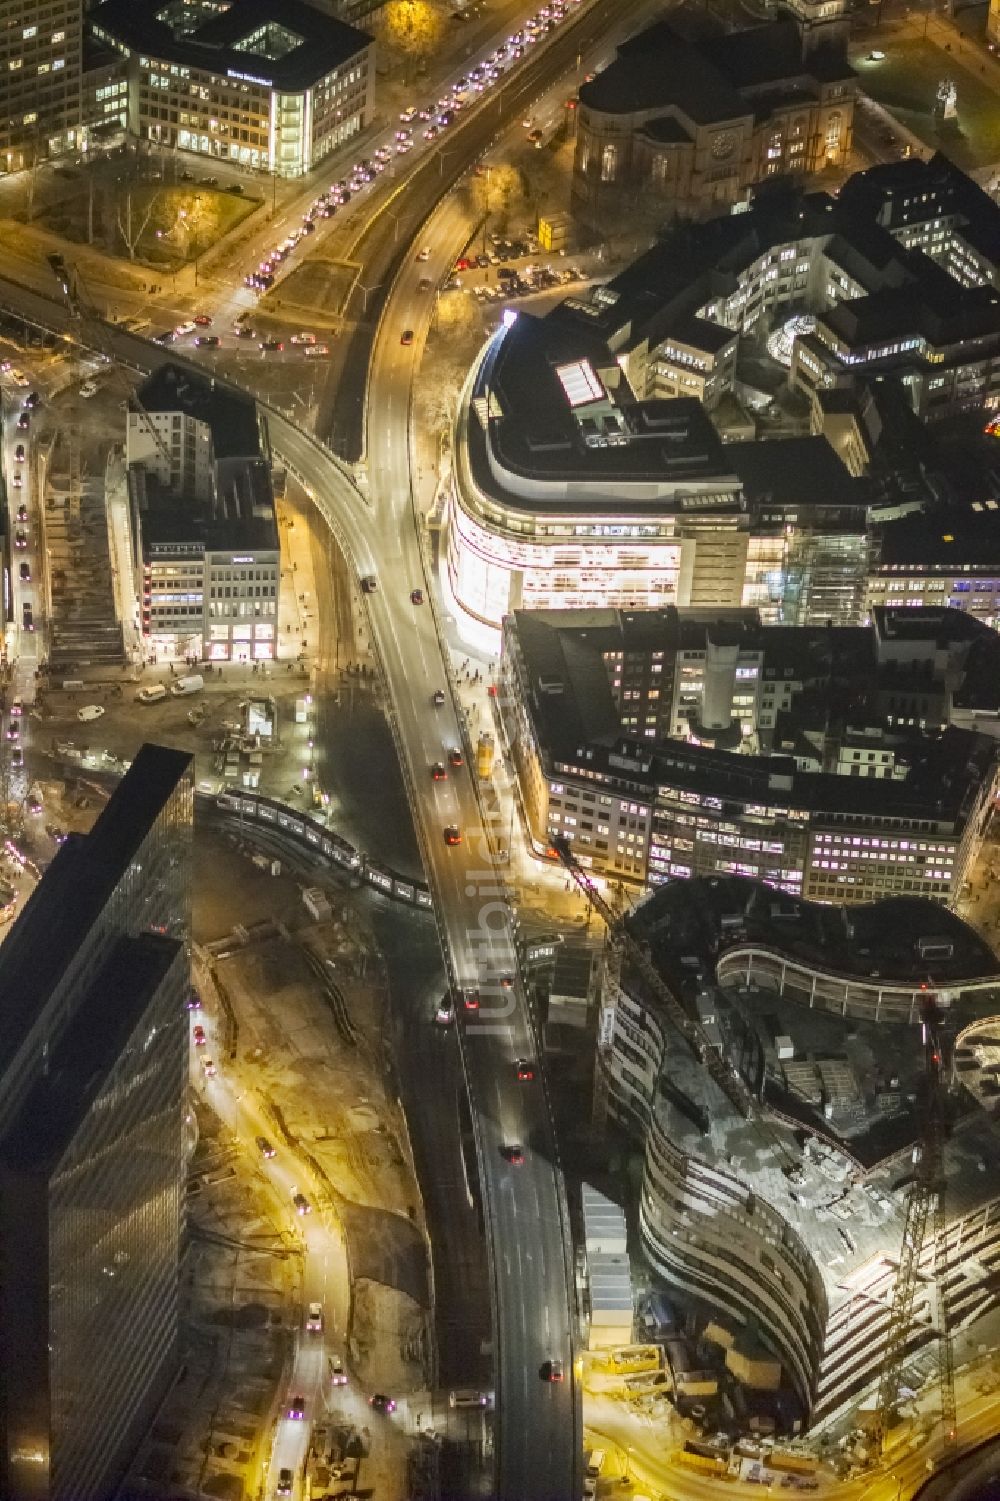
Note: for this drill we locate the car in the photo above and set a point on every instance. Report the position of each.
(408, 114)
(32, 399)
(369, 584)
(14, 729)
(314, 351)
(18, 481)
(19, 454)
(402, 147)
(875, 56)
(207, 341)
(416, 596)
(439, 772)
(22, 512)
(187, 327)
(424, 284)
(27, 619)
(24, 422)
(17, 756)
(338, 1376)
(406, 337)
(284, 1486)
(246, 332)
(210, 182)
(297, 1408)
(303, 338)
(382, 1403)
(20, 540)
(463, 264)
(202, 320)
(24, 573)
(314, 1318)
(19, 378)
(264, 1147)
(525, 1071)
(89, 712)
(199, 1036)
(438, 699)
(455, 756)
(424, 254)
(209, 1068)
(302, 1204)
(33, 803)
(55, 833)
(166, 336)
(552, 1370)
(17, 708)
(271, 346)
(452, 834)
(470, 998)
(512, 1152)
(88, 389)
(445, 1013)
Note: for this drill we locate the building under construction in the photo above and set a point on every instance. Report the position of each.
(808, 1082)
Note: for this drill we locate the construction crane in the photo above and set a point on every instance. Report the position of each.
(95, 334)
(925, 1207)
(730, 1083)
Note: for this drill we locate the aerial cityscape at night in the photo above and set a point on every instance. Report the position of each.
(500, 750)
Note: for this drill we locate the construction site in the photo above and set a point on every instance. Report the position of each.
(813, 1092)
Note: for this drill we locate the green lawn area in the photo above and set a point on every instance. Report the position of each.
(906, 82)
(167, 226)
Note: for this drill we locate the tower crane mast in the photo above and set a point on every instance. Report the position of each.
(924, 1209)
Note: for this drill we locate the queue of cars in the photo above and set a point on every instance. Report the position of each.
(430, 119)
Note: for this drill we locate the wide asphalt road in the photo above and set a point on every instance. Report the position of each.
(388, 240)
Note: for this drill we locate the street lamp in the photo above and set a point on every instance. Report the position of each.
(366, 292)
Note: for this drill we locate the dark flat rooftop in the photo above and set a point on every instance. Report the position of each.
(231, 415)
(324, 44)
(874, 940)
(790, 471)
(538, 433)
(942, 539)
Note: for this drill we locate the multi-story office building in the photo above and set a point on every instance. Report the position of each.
(205, 539)
(863, 793)
(789, 1224)
(941, 557)
(696, 125)
(41, 58)
(571, 492)
(273, 87)
(92, 1084)
(583, 478)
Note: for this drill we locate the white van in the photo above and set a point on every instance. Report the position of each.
(151, 695)
(191, 684)
(469, 1397)
(595, 1463)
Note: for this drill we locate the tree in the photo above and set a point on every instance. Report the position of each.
(495, 190)
(413, 27)
(132, 226)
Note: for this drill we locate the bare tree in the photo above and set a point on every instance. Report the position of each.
(132, 226)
